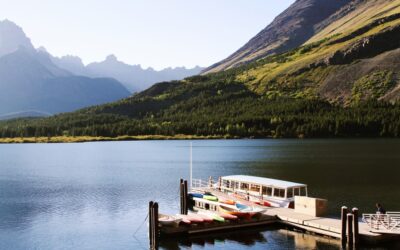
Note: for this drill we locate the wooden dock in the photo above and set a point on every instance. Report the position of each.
(320, 225)
(328, 227)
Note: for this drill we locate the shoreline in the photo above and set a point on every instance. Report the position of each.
(80, 139)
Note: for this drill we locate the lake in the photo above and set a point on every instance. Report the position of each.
(95, 195)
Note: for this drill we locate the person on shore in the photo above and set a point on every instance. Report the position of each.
(380, 209)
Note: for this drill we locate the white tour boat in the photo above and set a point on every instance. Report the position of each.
(264, 191)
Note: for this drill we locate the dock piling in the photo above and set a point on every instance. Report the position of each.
(350, 230)
(184, 196)
(356, 232)
(344, 220)
(153, 225)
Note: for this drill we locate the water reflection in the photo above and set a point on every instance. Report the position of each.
(270, 237)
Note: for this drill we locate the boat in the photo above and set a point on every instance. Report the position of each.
(234, 211)
(206, 218)
(191, 218)
(245, 208)
(210, 197)
(167, 220)
(226, 201)
(227, 216)
(264, 191)
(196, 195)
(214, 216)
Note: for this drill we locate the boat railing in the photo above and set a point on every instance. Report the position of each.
(389, 222)
(199, 184)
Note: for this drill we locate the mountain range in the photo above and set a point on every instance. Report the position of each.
(323, 68)
(32, 81)
(133, 77)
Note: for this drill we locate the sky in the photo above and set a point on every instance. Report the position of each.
(156, 33)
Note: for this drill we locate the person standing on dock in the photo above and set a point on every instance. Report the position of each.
(380, 209)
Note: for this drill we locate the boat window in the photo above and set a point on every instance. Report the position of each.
(297, 191)
(255, 188)
(207, 206)
(244, 186)
(267, 191)
(225, 183)
(232, 184)
(236, 185)
(279, 192)
(303, 191)
(289, 193)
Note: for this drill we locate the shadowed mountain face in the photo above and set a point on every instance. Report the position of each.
(134, 77)
(288, 30)
(29, 80)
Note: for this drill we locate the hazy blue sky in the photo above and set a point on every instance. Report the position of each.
(156, 33)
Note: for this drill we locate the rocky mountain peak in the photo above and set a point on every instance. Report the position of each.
(12, 37)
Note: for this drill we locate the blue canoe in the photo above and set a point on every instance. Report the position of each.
(196, 195)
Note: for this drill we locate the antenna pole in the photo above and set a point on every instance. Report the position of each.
(191, 167)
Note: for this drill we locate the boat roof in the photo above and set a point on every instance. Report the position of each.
(263, 181)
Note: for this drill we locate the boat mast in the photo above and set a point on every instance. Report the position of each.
(191, 168)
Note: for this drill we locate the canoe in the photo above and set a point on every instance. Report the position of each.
(213, 216)
(191, 218)
(235, 212)
(227, 216)
(228, 202)
(167, 220)
(210, 197)
(205, 217)
(245, 208)
(242, 207)
(196, 195)
(263, 203)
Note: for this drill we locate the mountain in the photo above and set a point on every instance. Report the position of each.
(343, 81)
(12, 37)
(29, 80)
(134, 77)
(289, 30)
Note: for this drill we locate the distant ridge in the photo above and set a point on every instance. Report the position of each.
(24, 114)
(133, 77)
(29, 80)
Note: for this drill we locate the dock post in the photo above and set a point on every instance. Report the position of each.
(181, 196)
(350, 230)
(185, 197)
(155, 227)
(151, 223)
(343, 231)
(355, 226)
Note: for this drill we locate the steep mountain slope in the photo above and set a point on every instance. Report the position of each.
(334, 67)
(29, 80)
(134, 77)
(289, 30)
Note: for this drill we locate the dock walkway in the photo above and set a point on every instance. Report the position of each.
(319, 225)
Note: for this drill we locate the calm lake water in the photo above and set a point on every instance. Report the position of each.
(95, 195)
